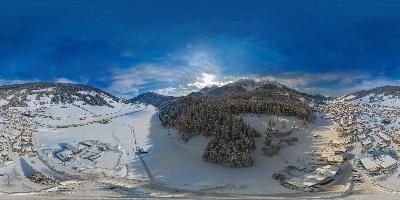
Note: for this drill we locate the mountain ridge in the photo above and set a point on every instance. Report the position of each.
(242, 85)
(373, 93)
(16, 94)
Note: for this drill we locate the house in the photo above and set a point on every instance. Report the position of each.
(65, 155)
(381, 162)
(367, 142)
(330, 155)
(16, 147)
(88, 143)
(326, 153)
(92, 156)
(3, 140)
(335, 159)
(369, 164)
(386, 162)
(25, 148)
(5, 162)
(340, 149)
(75, 148)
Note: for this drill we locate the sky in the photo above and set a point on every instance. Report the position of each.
(172, 47)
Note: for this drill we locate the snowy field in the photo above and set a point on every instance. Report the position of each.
(180, 165)
(117, 131)
(120, 133)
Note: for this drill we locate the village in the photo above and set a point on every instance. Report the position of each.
(368, 139)
(325, 165)
(15, 136)
(371, 133)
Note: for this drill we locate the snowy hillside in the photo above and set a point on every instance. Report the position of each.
(62, 104)
(385, 96)
(45, 93)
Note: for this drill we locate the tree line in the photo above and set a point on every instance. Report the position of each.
(231, 141)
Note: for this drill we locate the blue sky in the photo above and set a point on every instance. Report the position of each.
(127, 47)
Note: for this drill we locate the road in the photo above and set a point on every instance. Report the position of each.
(139, 156)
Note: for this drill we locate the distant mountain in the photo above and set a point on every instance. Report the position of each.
(243, 86)
(152, 98)
(21, 95)
(252, 86)
(384, 90)
(269, 88)
(385, 95)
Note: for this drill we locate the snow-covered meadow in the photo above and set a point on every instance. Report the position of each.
(180, 165)
(124, 133)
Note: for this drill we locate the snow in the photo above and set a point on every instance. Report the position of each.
(369, 164)
(180, 165)
(50, 89)
(382, 100)
(118, 131)
(121, 133)
(3, 102)
(20, 169)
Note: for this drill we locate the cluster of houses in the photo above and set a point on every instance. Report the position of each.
(379, 164)
(333, 152)
(307, 178)
(15, 136)
(322, 171)
(375, 127)
(4, 148)
(23, 144)
(89, 150)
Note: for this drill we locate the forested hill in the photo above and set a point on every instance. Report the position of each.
(152, 98)
(271, 88)
(214, 112)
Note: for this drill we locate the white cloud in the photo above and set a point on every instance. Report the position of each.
(206, 80)
(64, 80)
(179, 69)
(193, 69)
(169, 91)
(299, 81)
(201, 70)
(128, 81)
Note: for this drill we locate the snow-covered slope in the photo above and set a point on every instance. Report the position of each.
(385, 96)
(22, 94)
(58, 103)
